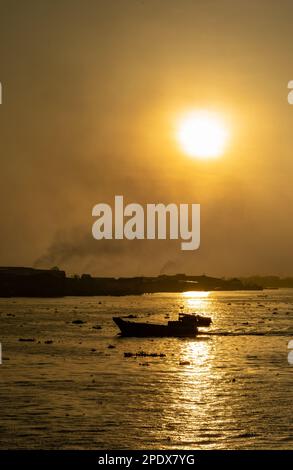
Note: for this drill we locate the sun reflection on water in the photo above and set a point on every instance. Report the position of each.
(195, 299)
(196, 352)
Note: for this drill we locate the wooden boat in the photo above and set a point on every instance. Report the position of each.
(186, 325)
(203, 321)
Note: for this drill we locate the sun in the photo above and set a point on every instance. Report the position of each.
(202, 134)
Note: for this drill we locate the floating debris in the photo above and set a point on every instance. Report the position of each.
(78, 322)
(111, 346)
(28, 340)
(97, 327)
(143, 354)
(130, 316)
(48, 341)
(184, 363)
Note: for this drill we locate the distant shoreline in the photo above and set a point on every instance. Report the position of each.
(30, 282)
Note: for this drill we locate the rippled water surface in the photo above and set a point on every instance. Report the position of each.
(230, 388)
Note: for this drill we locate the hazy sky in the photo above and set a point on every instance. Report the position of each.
(91, 91)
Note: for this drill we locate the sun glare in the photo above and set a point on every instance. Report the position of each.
(202, 134)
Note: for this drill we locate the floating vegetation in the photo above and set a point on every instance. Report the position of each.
(78, 322)
(143, 354)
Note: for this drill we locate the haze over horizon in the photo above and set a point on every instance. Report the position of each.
(90, 100)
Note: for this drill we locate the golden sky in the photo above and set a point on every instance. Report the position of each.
(91, 94)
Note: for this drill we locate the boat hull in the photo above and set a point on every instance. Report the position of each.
(203, 321)
(137, 329)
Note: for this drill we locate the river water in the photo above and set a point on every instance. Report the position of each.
(230, 388)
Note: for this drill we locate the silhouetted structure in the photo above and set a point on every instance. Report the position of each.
(267, 282)
(29, 282)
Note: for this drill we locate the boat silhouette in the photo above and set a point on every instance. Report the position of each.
(186, 326)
